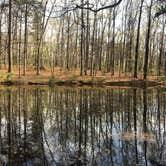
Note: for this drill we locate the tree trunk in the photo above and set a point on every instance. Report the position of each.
(113, 44)
(147, 42)
(137, 41)
(87, 41)
(25, 40)
(92, 49)
(9, 37)
(161, 48)
(81, 51)
(0, 41)
(19, 47)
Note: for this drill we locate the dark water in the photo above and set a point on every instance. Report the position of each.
(69, 126)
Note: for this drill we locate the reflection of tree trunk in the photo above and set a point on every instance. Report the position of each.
(75, 126)
(158, 113)
(38, 133)
(164, 114)
(19, 119)
(9, 126)
(91, 124)
(25, 123)
(144, 122)
(67, 117)
(80, 125)
(135, 121)
(111, 123)
(0, 129)
(44, 159)
(145, 110)
(61, 120)
(128, 111)
(86, 120)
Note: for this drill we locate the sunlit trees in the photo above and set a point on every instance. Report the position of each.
(85, 35)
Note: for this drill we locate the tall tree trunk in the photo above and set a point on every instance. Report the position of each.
(161, 48)
(0, 40)
(62, 42)
(87, 40)
(147, 42)
(38, 49)
(108, 44)
(19, 47)
(113, 45)
(92, 49)
(101, 50)
(25, 39)
(68, 41)
(81, 51)
(137, 41)
(9, 37)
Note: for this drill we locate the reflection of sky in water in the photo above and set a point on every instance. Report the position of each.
(95, 127)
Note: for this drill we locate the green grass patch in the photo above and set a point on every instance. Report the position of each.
(53, 80)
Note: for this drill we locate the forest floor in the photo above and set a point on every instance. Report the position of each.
(72, 77)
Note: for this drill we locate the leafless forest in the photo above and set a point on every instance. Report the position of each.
(120, 37)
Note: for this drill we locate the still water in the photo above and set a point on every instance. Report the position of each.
(82, 126)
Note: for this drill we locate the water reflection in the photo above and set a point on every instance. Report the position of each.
(68, 126)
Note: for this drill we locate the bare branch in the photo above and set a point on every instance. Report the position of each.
(99, 9)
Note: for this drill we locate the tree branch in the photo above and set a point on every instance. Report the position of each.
(99, 9)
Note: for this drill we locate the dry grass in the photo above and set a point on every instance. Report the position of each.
(72, 75)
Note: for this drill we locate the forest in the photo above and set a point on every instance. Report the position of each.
(118, 39)
(82, 82)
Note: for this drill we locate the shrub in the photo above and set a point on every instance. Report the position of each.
(9, 77)
(52, 81)
(73, 77)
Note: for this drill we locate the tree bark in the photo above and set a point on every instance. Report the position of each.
(137, 41)
(25, 39)
(147, 42)
(9, 37)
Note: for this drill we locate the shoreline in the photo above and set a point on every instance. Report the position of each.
(128, 83)
(73, 78)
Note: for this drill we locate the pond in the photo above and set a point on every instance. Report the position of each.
(82, 126)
